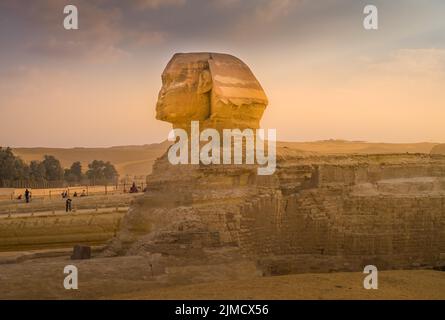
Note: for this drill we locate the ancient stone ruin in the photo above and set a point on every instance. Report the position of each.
(439, 149)
(318, 212)
(216, 89)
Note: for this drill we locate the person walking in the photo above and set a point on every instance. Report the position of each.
(68, 205)
(27, 195)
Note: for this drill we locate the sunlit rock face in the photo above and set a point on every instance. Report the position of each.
(439, 149)
(218, 90)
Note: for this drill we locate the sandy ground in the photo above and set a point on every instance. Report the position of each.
(417, 284)
(132, 278)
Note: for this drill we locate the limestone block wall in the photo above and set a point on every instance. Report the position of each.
(360, 173)
(402, 227)
(398, 230)
(342, 209)
(331, 220)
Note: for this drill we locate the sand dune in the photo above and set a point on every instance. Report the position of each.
(131, 160)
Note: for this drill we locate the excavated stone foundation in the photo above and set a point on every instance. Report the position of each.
(316, 213)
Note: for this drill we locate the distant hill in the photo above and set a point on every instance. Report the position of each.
(128, 160)
(138, 160)
(361, 147)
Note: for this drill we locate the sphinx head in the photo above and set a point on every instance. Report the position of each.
(218, 90)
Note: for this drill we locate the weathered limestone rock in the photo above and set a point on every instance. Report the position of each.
(317, 213)
(216, 89)
(52, 231)
(439, 149)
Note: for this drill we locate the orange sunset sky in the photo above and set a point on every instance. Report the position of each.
(325, 76)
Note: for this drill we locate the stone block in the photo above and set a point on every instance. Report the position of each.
(81, 252)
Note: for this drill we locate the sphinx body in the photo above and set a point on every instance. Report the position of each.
(439, 149)
(317, 212)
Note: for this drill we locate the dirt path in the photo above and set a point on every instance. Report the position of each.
(417, 284)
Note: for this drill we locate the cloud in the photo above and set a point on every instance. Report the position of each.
(106, 31)
(112, 29)
(423, 62)
(154, 4)
(269, 11)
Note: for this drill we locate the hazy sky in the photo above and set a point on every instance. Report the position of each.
(325, 76)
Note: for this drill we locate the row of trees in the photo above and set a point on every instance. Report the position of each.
(12, 168)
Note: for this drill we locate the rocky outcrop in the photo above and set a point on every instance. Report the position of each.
(439, 149)
(327, 212)
(57, 230)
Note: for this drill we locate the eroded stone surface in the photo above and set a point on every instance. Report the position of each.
(218, 90)
(315, 213)
(330, 213)
(439, 149)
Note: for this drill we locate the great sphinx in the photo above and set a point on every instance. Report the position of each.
(220, 92)
(317, 212)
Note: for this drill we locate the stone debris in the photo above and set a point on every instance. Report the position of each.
(81, 252)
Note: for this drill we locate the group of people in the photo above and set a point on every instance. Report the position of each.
(65, 195)
(75, 194)
(27, 196)
(68, 201)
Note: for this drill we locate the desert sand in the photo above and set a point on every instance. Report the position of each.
(110, 278)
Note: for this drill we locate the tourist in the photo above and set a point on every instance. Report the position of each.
(68, 205)
(133, 188)
(27, 195)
